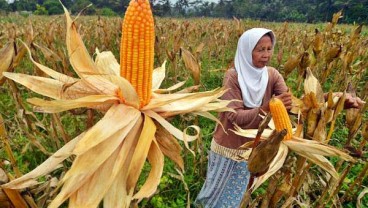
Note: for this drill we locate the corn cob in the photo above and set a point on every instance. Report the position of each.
(280, 116)
(137, 48)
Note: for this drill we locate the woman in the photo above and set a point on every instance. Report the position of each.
(254, 83)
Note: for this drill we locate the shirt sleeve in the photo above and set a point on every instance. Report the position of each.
(279, 85)
(242, 117)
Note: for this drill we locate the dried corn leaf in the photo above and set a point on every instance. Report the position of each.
(49, 165)
(7, 54)
(140, 153)
(297, 105)
(322, 162)
(117, 117)
(52, 73)
(83, 181)
(192, 64)
(48, 53)
(170, 128)
(291, 64)
(158, 76)
(185, 102)
(117, 195)
(311, 84)
(310, 100)
(44, 86)
(170, 89)
(99, 154)
(78, 55)
(169, 146)
(156, 159)
(313, 147)
(360, 198)
(312, 121)
(217, 106)
(127, 91)
(319, 133)
(107, 63)
(91, 192)
(56, 106)
(252, 133)
(100, 85)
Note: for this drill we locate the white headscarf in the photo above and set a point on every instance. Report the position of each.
(252, 80)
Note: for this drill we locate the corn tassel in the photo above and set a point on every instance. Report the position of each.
(280, 117)
(137, 48)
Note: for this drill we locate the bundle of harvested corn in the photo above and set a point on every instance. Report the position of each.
(111, 154)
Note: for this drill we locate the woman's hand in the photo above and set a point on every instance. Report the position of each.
(353, 102)
(284, 97)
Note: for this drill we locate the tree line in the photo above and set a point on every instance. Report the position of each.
(311, 11)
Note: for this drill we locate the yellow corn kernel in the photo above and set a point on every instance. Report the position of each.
(280, 117)
(137, 48)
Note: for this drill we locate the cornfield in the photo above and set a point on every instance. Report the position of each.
(315, 60)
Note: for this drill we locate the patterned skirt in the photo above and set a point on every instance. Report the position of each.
(225, 184)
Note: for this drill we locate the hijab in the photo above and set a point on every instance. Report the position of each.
(252, 80)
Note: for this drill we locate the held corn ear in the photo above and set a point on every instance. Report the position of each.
(280, 117)
(137, 48)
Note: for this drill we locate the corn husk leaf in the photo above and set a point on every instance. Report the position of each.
(311, 84)
(127, 92)
(116, 118)
(169, 146)
(360, 197)
(156, 159)
(158, 76)
(6, 58)
(192, 64)
(170, 89)
(140, 153)
(322, 162)
(46, 167)
(43, 86)
(56, 106)
(170, 128)
(117, 195)
(297, 105)
(252, 133)
(93, 187)
(52, 73)
(79, 58)
(106, 62)
(314, 147)
(275, 165)
(86, 178)
(185, 102)
(48, 53)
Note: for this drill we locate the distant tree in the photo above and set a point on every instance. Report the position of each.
(53, 7)
(40, 10)
(181, 7)
(83, 5)
(106, 12)
(23, 5)
(4, 6)
(161, 7)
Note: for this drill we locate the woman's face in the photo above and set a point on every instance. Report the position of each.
(262, 52)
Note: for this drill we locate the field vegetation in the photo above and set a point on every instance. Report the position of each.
(198, 51)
